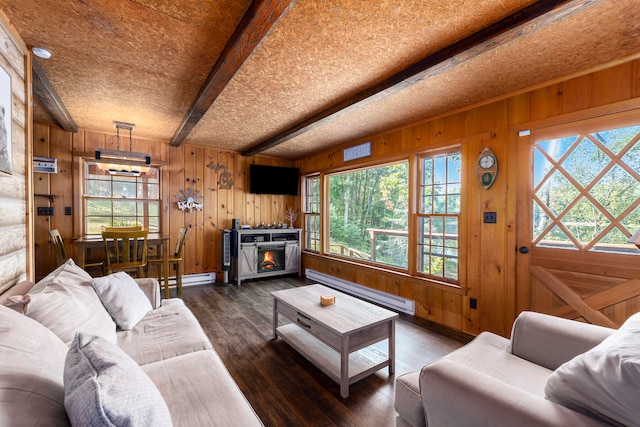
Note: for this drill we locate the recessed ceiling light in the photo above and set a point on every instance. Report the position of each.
(41, 52)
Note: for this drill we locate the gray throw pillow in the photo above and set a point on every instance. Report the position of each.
(66, 303)
(604, 382)
(122, 298)
(104, 386)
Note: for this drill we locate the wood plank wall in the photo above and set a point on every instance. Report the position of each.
(15, 250)
(183, 167)
(490, 269)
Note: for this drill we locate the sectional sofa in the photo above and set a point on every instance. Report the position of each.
(78, 351)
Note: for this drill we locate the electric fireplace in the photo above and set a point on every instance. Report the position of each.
(263, 253)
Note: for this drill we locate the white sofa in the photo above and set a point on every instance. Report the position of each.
(552, 372)
(167, 344)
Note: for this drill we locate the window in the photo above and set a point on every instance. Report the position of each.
(114, 200)
(439, 215)
(311, 211)
(586, 190)
(368, 214)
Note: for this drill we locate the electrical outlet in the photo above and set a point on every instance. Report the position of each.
(45, 211)
(490, 217)
(473, 303)
(68, 210)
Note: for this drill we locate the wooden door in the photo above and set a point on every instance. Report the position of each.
(578, 203)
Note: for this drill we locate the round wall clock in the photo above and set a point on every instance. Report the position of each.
(487, 168)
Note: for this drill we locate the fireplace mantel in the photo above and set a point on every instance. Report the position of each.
(250, 245)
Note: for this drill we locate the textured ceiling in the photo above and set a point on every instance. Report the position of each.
(144, 62)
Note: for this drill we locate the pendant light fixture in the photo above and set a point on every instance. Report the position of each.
(118, 162)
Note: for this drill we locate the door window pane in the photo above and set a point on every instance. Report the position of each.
(586, 190)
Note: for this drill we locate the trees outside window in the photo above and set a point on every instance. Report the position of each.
(368, 214)
(114, 200)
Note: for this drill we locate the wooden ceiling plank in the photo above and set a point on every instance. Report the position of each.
(44, 90)
(255, 24)
(477, 43)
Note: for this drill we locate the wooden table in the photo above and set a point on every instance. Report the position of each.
(337, 338)
(157, 239)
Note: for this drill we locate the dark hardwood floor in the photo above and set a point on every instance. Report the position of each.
(281, 385)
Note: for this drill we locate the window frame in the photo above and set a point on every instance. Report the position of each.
(421, 215)
(85, 197)
(372, 263)
(309, 213)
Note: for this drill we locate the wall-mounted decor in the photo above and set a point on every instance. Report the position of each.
(225, 180)
(189, 200)
(487, 168)
(5, 122)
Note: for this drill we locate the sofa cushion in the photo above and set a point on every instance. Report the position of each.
(122, 298)
(603, 382)
(199, 391)
(104, 386)
(68, 304)
(408, 403)
(31, 373)
(487, 354)
(165, 332)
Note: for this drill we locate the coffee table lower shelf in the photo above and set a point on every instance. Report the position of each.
(362, 363)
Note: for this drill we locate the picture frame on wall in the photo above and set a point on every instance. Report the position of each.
(5, 122)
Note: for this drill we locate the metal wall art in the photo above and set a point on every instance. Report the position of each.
(225, 180)
(190, 200)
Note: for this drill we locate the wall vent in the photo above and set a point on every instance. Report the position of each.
(385, 299)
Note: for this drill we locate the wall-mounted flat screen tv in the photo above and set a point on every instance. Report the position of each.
(265, 179)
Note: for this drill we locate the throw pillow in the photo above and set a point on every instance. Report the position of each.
(68, 304)
(604, 382)
(31, 372)
(122, 297)
(104, 386)
(68, 272)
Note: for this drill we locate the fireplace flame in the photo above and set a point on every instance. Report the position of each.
(268, 263)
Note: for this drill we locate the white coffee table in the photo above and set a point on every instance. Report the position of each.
(337, 338)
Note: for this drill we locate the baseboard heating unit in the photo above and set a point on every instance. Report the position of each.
(385, 299)
(195, 279)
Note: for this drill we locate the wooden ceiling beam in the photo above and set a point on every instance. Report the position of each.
(255, 24)
(44, 90)
(484, 40)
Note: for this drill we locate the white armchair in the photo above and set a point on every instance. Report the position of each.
(496, 381)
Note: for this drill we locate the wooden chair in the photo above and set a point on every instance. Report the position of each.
(61, 252)
(128, 228)
(175, 262)
(125, 251)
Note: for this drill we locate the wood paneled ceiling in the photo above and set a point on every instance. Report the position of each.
(309, 74)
